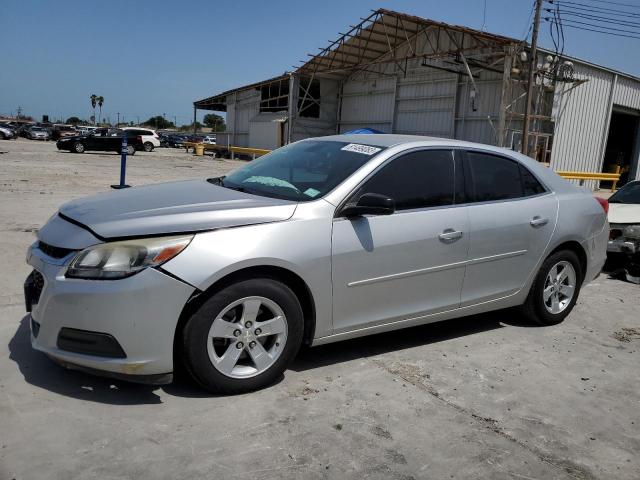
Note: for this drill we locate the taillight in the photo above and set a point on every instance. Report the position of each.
(140, 140)
(604, 203)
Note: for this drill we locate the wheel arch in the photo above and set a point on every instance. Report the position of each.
(286, 276)
(577, 248)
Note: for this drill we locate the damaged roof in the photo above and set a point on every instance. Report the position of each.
(375, 40)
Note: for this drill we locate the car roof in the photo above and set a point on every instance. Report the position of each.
(547, 175)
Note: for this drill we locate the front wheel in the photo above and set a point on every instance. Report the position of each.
(148, 146)
(244, 336)
(131, 150)
(555, 289)
(78, 147)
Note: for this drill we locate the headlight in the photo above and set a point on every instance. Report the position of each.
(110, 261)
(632, 232)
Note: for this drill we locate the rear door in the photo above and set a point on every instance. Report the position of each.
(511, 219)
(408, 264)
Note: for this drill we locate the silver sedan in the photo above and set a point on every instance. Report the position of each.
(322, 240)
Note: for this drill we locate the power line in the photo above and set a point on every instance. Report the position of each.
(567, 24)
(631, 5)
(529, 26)
(597, 26)
(613, 21)
(589, 7)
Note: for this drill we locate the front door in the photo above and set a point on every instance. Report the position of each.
(407, 264)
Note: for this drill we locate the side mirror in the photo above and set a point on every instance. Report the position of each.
(370, 204)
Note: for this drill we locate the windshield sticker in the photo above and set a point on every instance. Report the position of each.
(364, 149)
(311, 192)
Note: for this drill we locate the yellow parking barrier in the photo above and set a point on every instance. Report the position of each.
(254, 152)
(582, 176)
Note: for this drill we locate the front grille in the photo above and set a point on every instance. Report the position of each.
(53, 252)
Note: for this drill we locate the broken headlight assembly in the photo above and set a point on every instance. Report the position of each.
(116, 260)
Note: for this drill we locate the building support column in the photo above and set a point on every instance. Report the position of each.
(195, 110)
(607, 125)
(506, 96)
(292, 109)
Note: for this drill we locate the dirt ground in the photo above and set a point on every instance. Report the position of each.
(488, 396)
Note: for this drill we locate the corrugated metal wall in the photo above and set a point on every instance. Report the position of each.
(627, 93)
(368, 103)
(582, 115)
(425, 105)
(424, 102)
(241, 107)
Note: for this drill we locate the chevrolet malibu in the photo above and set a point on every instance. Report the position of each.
(322, 240)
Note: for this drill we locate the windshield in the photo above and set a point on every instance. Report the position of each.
(630, 193)
(301, 171)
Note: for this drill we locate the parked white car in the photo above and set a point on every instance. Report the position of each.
(624, 236)
(150, 139)
(209, 140)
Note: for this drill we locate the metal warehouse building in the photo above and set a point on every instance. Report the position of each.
(399, 73)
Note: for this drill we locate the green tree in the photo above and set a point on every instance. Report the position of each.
(94, 100)
(100, 101)
(159, 122)
(216, 122)
(73, 121)
(189, 128)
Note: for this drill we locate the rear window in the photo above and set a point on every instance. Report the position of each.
(493, 178)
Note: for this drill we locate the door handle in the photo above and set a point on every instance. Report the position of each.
(450, 235)
(538, 221)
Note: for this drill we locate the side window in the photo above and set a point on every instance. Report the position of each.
(530, 184)
(493, 178)
(416, 180)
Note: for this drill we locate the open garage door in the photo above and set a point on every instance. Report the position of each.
(623, 141)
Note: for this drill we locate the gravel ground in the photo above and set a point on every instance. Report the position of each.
(488, 396)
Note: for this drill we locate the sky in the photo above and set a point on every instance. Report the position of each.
(156, 57)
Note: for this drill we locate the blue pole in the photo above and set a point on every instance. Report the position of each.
(123, 163)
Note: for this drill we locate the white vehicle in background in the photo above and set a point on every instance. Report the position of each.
(209, 140)
(85, 129)
(624, 236)
(150, 139)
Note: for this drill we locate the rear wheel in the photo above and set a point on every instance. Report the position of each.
(555, 289)
(131, 150)
(244, 336)
(148, 146)
(78, 147)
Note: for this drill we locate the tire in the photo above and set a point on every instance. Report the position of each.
(148, 146)
(131, 150)
(558, 303)
(2, 136)
(78, 147)
(219, 351)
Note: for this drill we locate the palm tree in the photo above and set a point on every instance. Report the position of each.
(100, 101)
(94, 99)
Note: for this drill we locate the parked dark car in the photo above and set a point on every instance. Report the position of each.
(102, 140)
(172, 141)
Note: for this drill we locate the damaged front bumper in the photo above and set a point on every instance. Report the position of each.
(118, 328)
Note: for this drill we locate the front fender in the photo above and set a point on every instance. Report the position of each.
(302, 246)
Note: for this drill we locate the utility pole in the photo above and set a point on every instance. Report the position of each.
(118, 119)
(533, 65)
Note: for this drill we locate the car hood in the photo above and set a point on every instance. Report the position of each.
(175, 207)
(624, 213)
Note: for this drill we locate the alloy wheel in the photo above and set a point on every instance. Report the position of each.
(247, 337)
(559, 287)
